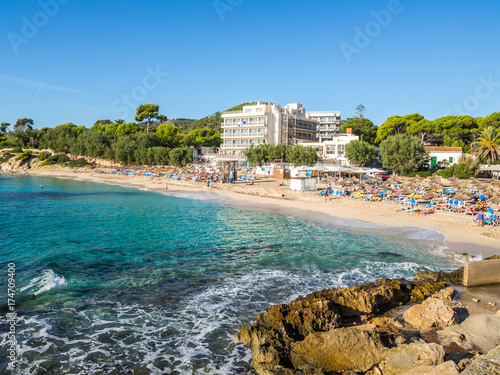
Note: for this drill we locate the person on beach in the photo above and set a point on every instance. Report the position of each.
(480, 218)
(208, 184)
(166, 186)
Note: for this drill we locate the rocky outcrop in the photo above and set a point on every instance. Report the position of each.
(446, 368)
(408, 357)
(433, 312)
(454, 277)
(283, 330)
(339, 350)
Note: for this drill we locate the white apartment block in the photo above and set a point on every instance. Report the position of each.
(267, 123)
(329, 123)
(335, 147)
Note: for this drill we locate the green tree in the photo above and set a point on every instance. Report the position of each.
(299, 155)
(419, 127)
(147, 112)
(4, 126)
(62, 137)
(181, 156)
(490, 120)
(23, 124)
(403, 153)
(257, 155)
(129, 128)
(455, 131)
(361, 153)
(169, 135)
(487, 145)
(360, 111)
(119, 121)
(202, 137)
(125, 149)
(362, 127)
(277, 152)
(393, 125)
(102, 122)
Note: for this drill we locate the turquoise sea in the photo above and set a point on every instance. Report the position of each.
(114, 280)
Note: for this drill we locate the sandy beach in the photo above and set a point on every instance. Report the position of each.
(461, 233)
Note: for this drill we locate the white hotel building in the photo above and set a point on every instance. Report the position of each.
(269, 123)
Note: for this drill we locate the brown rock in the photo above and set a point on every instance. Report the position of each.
(446, 294)
(481, 366)
(352, 348)
(454, 277)
(279, 326)
(432, 312)
(407, 357)
(446, 368)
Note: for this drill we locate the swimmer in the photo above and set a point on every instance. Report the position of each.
(41, 186)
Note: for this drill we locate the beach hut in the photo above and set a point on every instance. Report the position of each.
(302, 184)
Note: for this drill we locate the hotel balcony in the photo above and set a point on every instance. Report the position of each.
(253, 123)
(245, 136)
(239, 147)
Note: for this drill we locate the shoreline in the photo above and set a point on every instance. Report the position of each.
(459, 232)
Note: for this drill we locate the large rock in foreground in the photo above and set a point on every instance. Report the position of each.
(283, 327)
(339, 350)
(432, 312)
(407, 357)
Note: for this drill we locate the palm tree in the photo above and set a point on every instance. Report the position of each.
(487, 145)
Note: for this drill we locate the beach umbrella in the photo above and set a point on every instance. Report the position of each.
(371, 179)
(435, 187)
(493, 200)
(462, 197)
(406, 191)
(410, 184)
(431, 194)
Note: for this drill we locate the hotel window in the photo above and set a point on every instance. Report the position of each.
(228, 143)
(451, 159)
(330, 149)
(236, 132)
(262, 119)
(228, 133)
(236, 142)
(253, 119)
(341, 149)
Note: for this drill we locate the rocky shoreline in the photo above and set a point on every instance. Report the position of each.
(357, 330)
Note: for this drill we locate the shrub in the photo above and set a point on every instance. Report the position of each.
(17, 150)
(59, 159)
(50, 160)
(25, 155)
(42, 156)
(78, 163)
(62, 158)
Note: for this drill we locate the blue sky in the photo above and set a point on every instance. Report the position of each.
(74, 61)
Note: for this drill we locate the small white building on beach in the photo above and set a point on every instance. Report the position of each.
(449, 155)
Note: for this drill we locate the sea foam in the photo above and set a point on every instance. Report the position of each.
(46, 281)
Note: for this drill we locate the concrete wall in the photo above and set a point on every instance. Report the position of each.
(482, 272)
